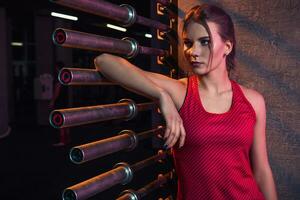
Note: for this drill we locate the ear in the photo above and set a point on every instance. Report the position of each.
(228, 47)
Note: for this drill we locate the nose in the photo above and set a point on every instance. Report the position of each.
(195, 50)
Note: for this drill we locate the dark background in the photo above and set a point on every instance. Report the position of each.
(268, 41)
(31, 167)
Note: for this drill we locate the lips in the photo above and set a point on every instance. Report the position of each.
(196, 63)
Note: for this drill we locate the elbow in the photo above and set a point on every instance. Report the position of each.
(102, 60)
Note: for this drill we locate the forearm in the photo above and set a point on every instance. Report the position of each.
(121, 71)
(266, 184)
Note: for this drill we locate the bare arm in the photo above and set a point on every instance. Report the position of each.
(121, 71)
(259, 156)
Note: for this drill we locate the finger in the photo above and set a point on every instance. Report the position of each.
(170, 127)
(167, 132)
(182, 136)
(160, 132)
(176, 135)
(169, 139)
(171, 135)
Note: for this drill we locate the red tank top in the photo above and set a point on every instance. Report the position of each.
(214, 163)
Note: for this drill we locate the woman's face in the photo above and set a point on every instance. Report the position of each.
(196, 48)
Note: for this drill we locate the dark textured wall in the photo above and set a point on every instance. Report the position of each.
(3, 76)
(268, 60)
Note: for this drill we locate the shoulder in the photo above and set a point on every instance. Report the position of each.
(166, 82)
(183, 81)
(175, 87)
(255, 99)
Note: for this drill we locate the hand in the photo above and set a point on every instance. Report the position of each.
(174, 126)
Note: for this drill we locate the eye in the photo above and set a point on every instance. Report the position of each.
(204, 42)
(188, 43)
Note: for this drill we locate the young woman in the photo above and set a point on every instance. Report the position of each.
(215, 126)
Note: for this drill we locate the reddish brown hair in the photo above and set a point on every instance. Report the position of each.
(209, 13)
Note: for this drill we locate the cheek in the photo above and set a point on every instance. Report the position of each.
(219, 51)
(206, 51)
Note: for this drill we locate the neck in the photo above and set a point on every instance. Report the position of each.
(217, 81)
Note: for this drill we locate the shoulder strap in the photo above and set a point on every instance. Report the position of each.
(241, 98)
(189, 90)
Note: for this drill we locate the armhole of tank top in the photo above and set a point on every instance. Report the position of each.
(186, 93)
(253, 113)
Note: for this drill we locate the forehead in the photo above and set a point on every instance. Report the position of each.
(196, 30)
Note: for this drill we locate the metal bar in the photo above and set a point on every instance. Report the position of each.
(97, 7)
(80, 76)
(93, 186)
(126, 46)
(151, 23)
(127, 196)
(125, 109)
(162, 179)
(123, 14)
(94, 150)
(76, 39)
(142, 192)
(152, 51)
(150, 133)
(126, 140)
(148, 161)
(122, 173)
(146, 106)
(84, 115)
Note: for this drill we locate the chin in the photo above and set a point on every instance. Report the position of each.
(200, 71)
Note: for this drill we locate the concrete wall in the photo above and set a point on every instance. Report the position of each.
(268, 46)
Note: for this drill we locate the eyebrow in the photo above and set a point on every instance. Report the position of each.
(200, 38)
(205, 37)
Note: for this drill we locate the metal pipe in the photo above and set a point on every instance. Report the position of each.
(146, 134)
(142, 192)
(124, 14)
(90, 114)
(76, 39)
(128, 195)
(126, 140)
(125, 109)
(80, 76)
(142, 164)
(83, 153)
(121, 174)
(161, 179)
(152, 51)
(126, 46)
(97, 184)
(151, 23)
(146, 106)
